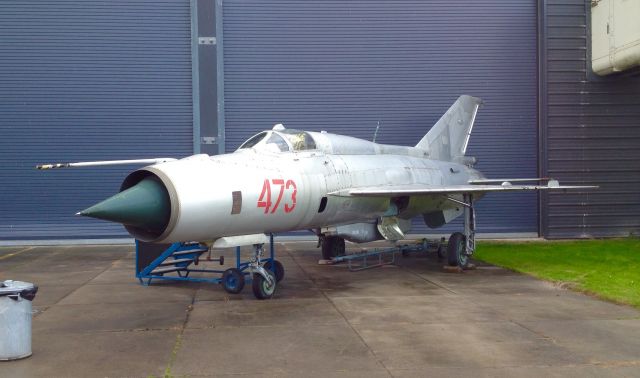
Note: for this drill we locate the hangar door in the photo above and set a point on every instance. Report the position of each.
(348, 66)
(86, 80)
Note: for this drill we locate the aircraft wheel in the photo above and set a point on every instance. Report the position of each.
(332, 246)
(278, 269)
(261, 287)
(232, 281)
(456, 250)
(340, 246)
(442, 252)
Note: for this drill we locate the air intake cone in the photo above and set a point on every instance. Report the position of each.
(145, 205)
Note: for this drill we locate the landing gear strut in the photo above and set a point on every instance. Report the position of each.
(264, 281)
(461, 246)
(332, 246)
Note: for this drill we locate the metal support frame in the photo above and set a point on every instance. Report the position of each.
(207, 74)
(220, 76)
(255, 264)
(195, 76)
(542, 113)
(363, 257)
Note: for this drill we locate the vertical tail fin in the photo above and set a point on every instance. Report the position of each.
(448, 138)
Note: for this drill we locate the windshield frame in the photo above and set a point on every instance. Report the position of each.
(263, 141)
(294, 140)
(248, 143)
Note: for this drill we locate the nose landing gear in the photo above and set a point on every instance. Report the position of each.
(264, 281)
(263, 288)
(262, 273)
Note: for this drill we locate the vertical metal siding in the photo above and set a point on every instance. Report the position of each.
(592, 133)
(344, 66)
(86, 80)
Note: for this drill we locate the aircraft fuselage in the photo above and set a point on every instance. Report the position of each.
(249, 191)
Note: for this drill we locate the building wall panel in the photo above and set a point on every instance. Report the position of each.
(347, 66)
(86, 80)
(591, 129)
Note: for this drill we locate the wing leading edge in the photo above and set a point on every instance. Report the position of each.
(417, 190)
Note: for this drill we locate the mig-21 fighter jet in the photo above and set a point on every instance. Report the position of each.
(342, 188)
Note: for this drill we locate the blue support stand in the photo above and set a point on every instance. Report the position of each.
(360, 261)
(176, 263)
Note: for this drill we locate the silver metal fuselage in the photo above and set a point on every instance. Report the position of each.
(254, 191)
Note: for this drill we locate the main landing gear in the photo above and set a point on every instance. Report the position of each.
(461, 246)
(332, 246)
(458, 251)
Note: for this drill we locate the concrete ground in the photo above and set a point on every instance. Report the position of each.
(93, 319)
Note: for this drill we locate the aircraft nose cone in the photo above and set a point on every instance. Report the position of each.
(145, 205)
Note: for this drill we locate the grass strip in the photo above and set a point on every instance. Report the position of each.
(608, 268)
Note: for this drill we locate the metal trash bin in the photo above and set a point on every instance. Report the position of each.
(15, 319)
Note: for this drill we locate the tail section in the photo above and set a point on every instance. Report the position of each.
(448, 138)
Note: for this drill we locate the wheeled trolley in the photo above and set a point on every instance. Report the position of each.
(177, 261)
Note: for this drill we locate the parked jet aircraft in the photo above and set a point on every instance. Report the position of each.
(342, 188)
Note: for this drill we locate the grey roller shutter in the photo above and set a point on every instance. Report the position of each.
(86, 80)
(591, 130)
(344, 66)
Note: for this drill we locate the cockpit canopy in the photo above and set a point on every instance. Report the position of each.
(280, 140)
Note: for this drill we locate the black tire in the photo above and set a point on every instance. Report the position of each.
(456, 251)
(327, 248)
(261, 288)
(232, 281)
(332, 246)
(279, 269)
(442, 252)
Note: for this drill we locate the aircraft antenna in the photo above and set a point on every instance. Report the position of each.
(375, 134)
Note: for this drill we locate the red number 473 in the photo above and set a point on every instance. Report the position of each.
(266, 198)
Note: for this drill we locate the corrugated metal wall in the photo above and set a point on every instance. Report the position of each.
(344, 66)
(591, 126)
(106, 80)
(86, 80)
